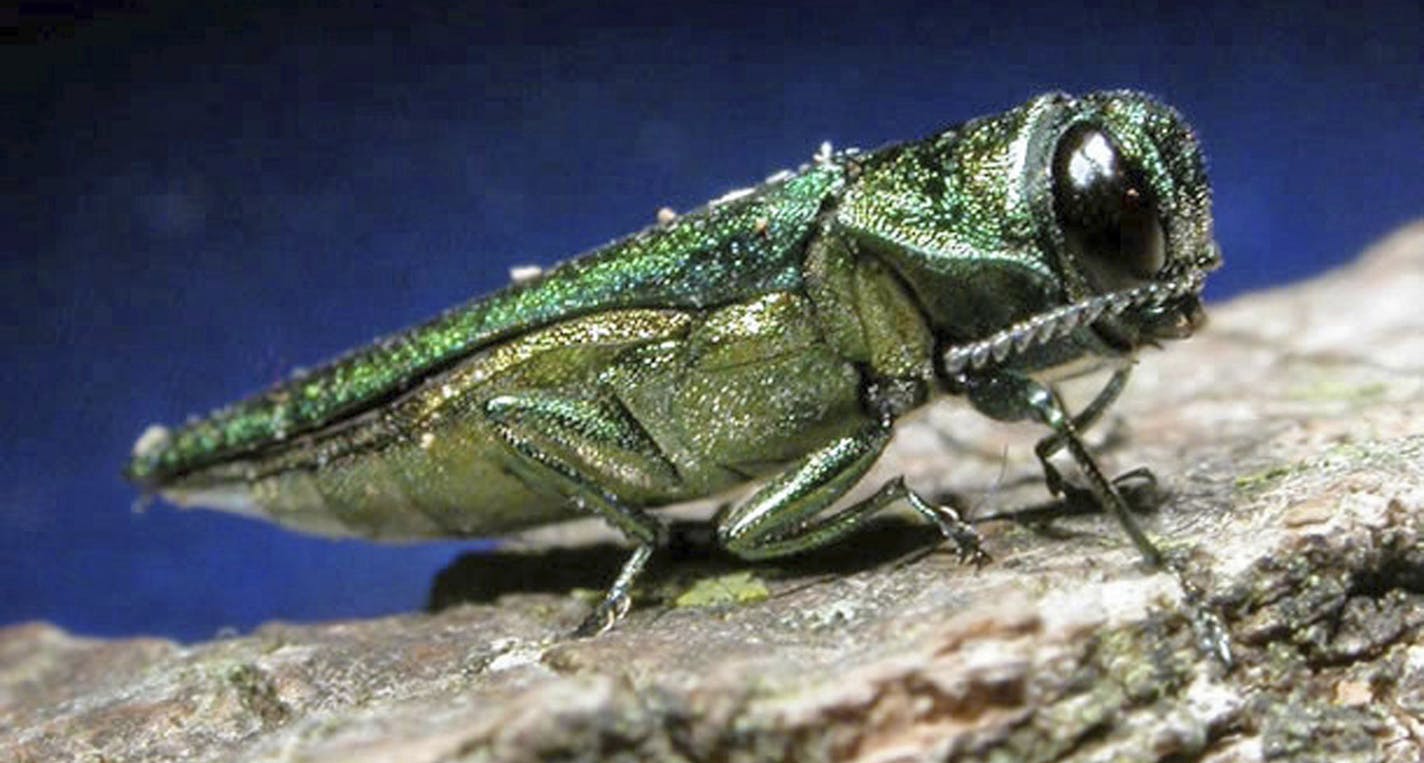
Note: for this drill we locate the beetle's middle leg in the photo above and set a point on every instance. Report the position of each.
(784, 516)
(562, 442)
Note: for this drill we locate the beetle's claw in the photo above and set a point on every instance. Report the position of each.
(609, 611)
(967, 542)
(970, 552)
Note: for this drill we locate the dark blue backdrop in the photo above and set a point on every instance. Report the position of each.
(199, 200)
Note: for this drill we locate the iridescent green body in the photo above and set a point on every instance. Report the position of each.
(774, 335)
(699, 261)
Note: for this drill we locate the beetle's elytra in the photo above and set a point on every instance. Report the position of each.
(774, 335)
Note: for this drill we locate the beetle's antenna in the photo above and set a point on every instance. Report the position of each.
(1059, 322)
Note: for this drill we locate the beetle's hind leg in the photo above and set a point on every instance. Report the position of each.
(578, 446)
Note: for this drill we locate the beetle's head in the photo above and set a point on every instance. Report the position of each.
(1131, 217)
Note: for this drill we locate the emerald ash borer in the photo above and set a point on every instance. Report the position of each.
(774, 336)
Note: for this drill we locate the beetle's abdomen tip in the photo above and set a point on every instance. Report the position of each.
(154, 439)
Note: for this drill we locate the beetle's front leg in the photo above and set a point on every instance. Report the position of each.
(1082, 422)
(555, 440)
(783, 516)
(1138, 485)
(1009, 396)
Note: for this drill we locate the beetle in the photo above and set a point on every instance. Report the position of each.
(775, 336)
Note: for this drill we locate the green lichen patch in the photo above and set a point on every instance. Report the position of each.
(1329, 390)
(1384, 455)
(1257, 482)
(724, 590)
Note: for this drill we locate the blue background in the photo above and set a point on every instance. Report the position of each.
(198, 200)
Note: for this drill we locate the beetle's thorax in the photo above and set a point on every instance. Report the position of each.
(942, 214)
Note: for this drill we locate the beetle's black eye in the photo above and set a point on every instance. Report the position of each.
(1106, 210)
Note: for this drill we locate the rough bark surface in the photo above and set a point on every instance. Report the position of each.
(1289, 436)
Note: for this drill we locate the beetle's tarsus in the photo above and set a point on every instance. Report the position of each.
(1212, 636)
(967, 541)
(618, 600)
(604, 615)
(1140, 492)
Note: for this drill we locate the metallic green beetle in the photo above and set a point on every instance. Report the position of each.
(774, 335)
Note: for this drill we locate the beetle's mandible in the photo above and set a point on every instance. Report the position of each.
(774, 335)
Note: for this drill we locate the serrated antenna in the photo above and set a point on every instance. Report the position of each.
(1062, 321)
